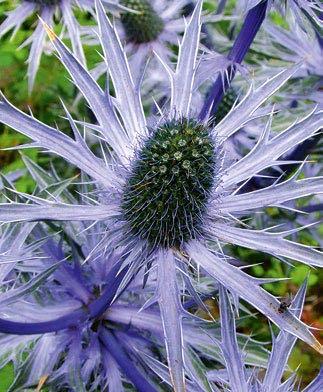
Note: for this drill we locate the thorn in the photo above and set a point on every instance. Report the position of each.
(52, 36)
(41, 382)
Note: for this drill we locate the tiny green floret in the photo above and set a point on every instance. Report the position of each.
(143, 26)
(166, 193)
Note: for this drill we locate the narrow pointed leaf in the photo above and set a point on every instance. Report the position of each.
(37, 42)
(229, 345)
(128, 99)
(283, 345)
(183, 78)
(247, 288)
(242, 113)
(273, 195)
(271, 243)
(73, 29)
(13, 295)
(97, 99)
(17, 16)
(171, 314)
(266, 154)
(55, 141)
(16, 212)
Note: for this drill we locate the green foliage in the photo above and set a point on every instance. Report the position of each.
(43, 101)
(304, 363)
(300, 272)
(6, 377)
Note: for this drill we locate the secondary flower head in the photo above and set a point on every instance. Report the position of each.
(146, 27)
(151, 25)
(143, 25)
(73, 325)
(169, 191)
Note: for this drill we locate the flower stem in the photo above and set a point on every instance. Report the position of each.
(101, 304)
(115, 348)
(237, 53)
(221, 6)
(312, 208)
(20, 328)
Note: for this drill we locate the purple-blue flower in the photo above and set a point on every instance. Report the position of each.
(67, 319)
(165, 191)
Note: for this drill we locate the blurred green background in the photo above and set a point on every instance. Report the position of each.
(51, 84)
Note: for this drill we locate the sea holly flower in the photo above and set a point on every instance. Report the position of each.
(68, 338)
(168, 191)
(153, 26)
(146, 27)
(144, 24)
(73, 327)
(46, 10)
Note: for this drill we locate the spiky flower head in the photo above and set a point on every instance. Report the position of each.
(144, 24)
(146, 27)
(166, 194)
